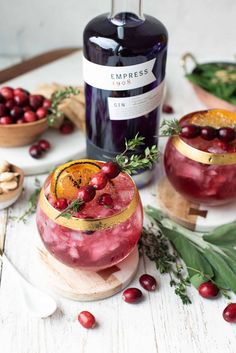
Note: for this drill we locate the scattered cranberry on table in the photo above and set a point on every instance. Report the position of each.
(166, 108)
(132, 295)
(148, 282)
(229, 313)
(39, 148)
(44, 145)
(208, 290)
(86, 319)
(66, 128)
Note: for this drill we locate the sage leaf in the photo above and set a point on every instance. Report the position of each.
(223, 236)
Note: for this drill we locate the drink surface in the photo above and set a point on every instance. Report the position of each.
(108, 44)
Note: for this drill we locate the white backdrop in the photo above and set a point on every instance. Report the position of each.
(28, 27)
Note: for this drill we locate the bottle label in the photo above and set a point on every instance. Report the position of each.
(135, 106)
(118, 78)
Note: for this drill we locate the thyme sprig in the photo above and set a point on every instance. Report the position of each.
(170, 128)
(158, 248)
(136, 162)
(57, 98)
(32, 202)
(73, 207)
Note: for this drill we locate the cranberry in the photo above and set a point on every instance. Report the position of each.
(60, 204)
(3, 110)
(86, 193)
(87, 319)
(41, 113)
(229, 313)
(51, 200)
(20, 90)
(208, 133)
(44, 145)
(47, 103)
(5, 120)
(35, 151)
(132, 295)
(99, 181)
(105, 200)
(20, 121)
(10, 104)
(167, 109)
(16, 112)
(148, 282)
(30, 117)
(36, 101)
(2, 99)
(208, 290)
(21, 99)
(7, 92)
(27, 108)
(226, 134)
(190, 131)
(66, 128)
(111, 169)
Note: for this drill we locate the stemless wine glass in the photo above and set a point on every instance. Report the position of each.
(98, 237)
(203, 171)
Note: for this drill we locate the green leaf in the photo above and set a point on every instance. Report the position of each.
(189, 253)
(223, 236)
(222, 268)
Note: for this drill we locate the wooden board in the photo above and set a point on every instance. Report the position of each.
(86, 285)
(191, 215)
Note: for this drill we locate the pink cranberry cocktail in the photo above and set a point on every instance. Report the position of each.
(202, 167)
(102, 233)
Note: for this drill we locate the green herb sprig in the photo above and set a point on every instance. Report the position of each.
(32, 202)
(136, 162)
(170, 128)
(57, 98)
(207, 256)
(75, 206)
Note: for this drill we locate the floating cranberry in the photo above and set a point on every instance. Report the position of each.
(2, 99)
(167, 109)
(7, 92)
(51, 200)
(111, 169)
(208, 290)
(132, 295)
(87, 319)
(30, 117)
(35, 151)
(208, 133)
(99, 181)
(10, 104)
(44, 145)
(36, 101)
(47, 103)
(66, 128)
(86, 193)
(226, 134)
(105, 200)
(16, 113)
(229, 313)
(3, 110)
(6, 120)
(60, 204)
(21, 99)
(190, 131)
(41, 113)
(148, 282)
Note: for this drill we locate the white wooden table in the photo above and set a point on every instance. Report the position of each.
(160, 323)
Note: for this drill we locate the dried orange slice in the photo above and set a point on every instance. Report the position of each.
(67, 178)
(216, 118)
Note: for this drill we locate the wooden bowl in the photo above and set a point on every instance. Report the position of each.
(16, 135)
(7, 199)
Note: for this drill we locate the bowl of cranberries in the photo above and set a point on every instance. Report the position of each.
(23, 116)
(200, 158)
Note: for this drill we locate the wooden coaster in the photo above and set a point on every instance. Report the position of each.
(191, 215)
(87, 285)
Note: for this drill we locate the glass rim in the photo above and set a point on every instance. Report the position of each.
(91, 224)
(202, 156)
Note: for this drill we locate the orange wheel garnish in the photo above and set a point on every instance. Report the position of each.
(216, 118)
(67, 178)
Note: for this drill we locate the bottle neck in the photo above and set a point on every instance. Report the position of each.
(121, 10)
